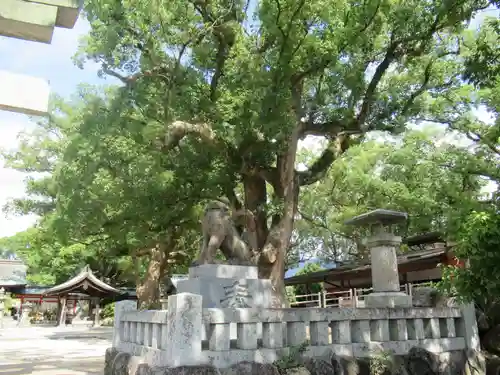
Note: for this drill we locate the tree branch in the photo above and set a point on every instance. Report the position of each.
(269, 174)
(329, 128)
(220, 61)
(323, 63)
(180, 129)
(320, 167)
(255, 201)
(143, 251)
(477, 138)
(310, 220)
(119, 18)
(425, 82)
(389, 57)
(129, 80)
(471, 135)
(233, 199)
(286, 34)
(420, 90)
(178, 254)
(224, 35)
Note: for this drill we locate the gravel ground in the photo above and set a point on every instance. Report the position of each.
(53, 351)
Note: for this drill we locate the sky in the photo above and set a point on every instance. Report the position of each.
(52, 62)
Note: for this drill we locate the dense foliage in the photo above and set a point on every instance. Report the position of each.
(479, 236)
(216, 96)
(479, 243)
(419, 173)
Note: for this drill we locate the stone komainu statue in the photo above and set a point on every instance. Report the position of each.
(220, 232)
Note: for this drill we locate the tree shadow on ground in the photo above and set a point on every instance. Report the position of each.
(93, 334)
(76, 367)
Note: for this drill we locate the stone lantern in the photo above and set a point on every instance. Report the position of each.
(24, 319)
(2, 305)
(384, 263)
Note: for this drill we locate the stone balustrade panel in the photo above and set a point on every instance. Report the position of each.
(349, 331)
(265, 335)
(144, 328)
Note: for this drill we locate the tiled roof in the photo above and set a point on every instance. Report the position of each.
(84, 282)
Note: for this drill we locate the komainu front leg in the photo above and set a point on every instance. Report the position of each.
(208, 252)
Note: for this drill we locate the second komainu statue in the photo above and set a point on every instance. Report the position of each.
(219, 228)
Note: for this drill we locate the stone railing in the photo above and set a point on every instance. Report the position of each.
(144, 328)
(188, 334)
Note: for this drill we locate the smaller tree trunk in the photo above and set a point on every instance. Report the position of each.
(272, 261)
(148, 287)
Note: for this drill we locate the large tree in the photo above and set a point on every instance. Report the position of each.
(245, 81)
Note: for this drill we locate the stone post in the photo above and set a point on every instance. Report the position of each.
(97, 314)
(184, 330)
(62, 313)
(164, 303)
(120, 308)
(384, 264)
(470, 327)
(2, 306)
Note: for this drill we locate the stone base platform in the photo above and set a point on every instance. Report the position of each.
(223, 285)
(388, 300)
(417, 361)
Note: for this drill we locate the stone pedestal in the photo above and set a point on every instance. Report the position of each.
(385, 275)
(228, 286)
(387, 299)
(223, 285)
(184, 330)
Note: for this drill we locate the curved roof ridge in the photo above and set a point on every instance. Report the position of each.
(85, 279)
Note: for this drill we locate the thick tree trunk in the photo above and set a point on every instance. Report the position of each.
(273, 242)
(255, 201)
(274, 252)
